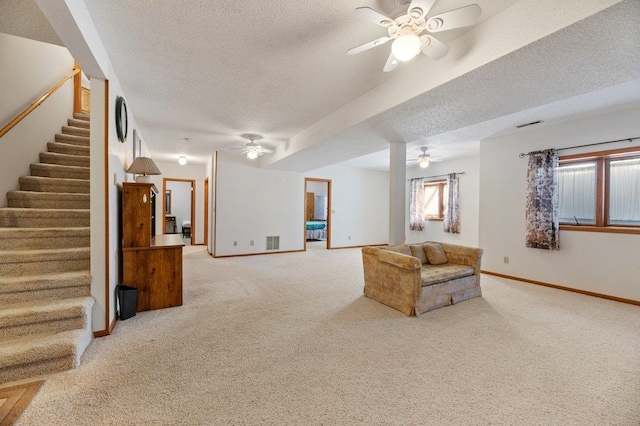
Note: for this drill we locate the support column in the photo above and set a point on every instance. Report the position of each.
(397, 192)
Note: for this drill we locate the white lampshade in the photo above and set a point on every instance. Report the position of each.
(406, 47)
(252, 155)
(424, 163)
(145, 167)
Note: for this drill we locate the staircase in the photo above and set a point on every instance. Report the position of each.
(45, 302)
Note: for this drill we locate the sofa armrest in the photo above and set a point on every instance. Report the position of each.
(398, 259)
(462, 255)
(392, 278)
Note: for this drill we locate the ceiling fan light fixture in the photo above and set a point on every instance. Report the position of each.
(406, 47)
(424, 162)
(182, 160)
(252, 154)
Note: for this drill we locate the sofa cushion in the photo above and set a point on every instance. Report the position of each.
(418, 251)
(434, 274)
(435, 253)
(400, 248)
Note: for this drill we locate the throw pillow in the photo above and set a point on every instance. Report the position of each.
(404, 249)
(435, 254)
(418, 251)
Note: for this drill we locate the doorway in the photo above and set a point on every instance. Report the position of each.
(178, 206)
(317, 213)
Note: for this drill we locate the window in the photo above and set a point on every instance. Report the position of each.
(600, 191)
(435, 200)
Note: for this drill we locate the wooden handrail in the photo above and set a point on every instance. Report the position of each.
(34, 105)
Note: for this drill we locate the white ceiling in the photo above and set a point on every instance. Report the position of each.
(211, 71)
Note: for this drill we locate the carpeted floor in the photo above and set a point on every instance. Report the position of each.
(288, 339)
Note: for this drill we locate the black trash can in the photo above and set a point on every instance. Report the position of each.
(128, 298)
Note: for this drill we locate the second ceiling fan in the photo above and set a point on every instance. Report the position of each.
(405, 30)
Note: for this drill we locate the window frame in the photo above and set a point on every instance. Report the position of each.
(441, 185)
(602, 160)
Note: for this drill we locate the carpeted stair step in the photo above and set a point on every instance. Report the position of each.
(35, 356)
(45, 184)
(71, 139)
(79, 131)
(65, 148)
(31, 288)
(74, 122)
(47, 200)
(58, 171)
(44, 317)
(64, 159)
(44, 238)
(35, 262)
(43, 218)
(81, 116)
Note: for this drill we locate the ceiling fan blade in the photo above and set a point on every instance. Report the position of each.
(266, 150)
(367, 46)
(391, 64)
(375, 16)
(457, 18)
(420, 8)
(433, 48)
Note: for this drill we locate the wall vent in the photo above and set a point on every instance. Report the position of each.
(528, 124)
(273, 243)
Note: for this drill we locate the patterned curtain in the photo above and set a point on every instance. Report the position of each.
(416, 200)
(542, 201)
(452, 217)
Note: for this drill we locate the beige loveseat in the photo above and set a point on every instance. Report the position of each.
(404, 278)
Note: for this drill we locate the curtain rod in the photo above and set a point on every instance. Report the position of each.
(522, 154)
(431, 177)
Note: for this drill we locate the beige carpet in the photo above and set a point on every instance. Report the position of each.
(288, 339)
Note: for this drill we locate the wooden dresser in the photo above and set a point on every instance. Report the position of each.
(152, 264)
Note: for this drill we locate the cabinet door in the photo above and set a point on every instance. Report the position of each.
(157, 273)
(136, 215)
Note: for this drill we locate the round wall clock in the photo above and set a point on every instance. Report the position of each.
(122, 123)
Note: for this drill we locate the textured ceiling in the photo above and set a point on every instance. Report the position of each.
(23, 18)
(191, 70)
(211, 71)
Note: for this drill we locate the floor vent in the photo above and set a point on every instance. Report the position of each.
(273, 243)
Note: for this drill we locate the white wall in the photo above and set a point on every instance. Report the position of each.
(28, 69)
(107, 185)
(603, 263)
(253, 203)
(173, 170)
(469, 203)
(359, 205)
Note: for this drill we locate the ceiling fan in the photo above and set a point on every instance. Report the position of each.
(406, 28)
(252, 149)
(423, 159)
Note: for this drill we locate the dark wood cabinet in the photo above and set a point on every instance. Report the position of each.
(152, 264)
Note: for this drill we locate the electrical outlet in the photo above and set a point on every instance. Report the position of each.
(506, 259)
(251, 242)
(235, 243)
